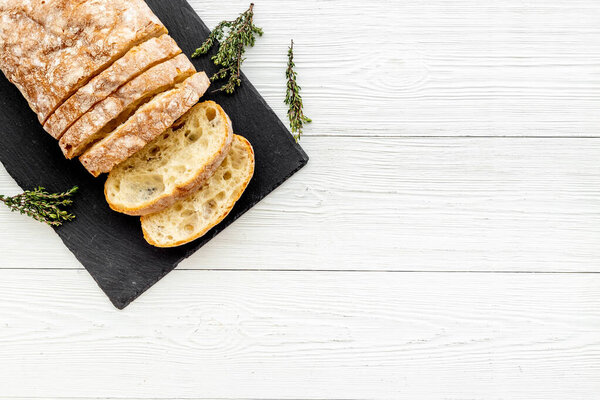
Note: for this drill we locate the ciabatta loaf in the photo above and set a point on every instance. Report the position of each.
(172, 166)
(149, 121)
(132, 64)
(191, 218)
(51, 48)
(111, 112)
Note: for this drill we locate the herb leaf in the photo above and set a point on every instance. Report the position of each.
(42, 206)
(234, 37)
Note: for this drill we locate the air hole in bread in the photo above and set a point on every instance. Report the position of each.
(166, 136)
(227, 175)
(193, 137)
(154, 151)
(187, 213)
(209, 208)
(211, 114)
(178, 125)
(189, 228)
(143, 187)
(221, 196)
(178, 207)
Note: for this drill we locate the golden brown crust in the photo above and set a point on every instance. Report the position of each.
(51, 48)
(187, 188)
(157, 79)
(145, 125)
(135, 62)
(237, 196)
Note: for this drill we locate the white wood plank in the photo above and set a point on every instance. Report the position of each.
(381, 68)
(303, 335)
(439, 204)
(436, 68)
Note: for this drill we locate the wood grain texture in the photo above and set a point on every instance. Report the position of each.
(436, 68)
(441, 204)
(382, 70)
(275, 335)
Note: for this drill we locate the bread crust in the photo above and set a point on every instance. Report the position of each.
(135, 62)
(51, 48)
(187, 188)
(230, 206)
(145, 125)
(160, 77)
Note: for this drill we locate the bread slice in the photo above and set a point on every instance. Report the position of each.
(107, 115)
(191, 218)
(174, 165)
(149, 121)
(51, 48)
(132, 64)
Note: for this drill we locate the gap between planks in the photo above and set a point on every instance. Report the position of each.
(176, 398)
(361, 271)
(181, 398)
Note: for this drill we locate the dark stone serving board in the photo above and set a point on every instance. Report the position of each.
(109, 245)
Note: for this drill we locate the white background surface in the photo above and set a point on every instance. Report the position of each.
(443, 242)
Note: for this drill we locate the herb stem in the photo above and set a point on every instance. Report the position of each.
(293, 98)
(42, 206)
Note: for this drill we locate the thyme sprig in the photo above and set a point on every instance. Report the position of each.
(42, 206)
(293, 98)
(234, 37)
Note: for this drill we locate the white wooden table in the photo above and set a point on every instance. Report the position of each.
(443, 243)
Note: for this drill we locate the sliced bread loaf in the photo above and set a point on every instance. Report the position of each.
(172, 166)
(191, 218)
(107, 115)
(136, 61)
(149, 121)
(51, 48)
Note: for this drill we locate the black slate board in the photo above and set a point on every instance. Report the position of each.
(109, 245)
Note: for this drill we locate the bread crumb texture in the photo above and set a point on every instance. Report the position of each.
(191, 218)
(176, 163)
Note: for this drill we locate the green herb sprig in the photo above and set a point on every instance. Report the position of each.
(42, 206)
(234, 37)
(293, 98)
